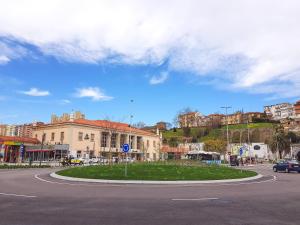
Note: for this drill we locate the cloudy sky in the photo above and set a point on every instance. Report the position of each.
(95, 56)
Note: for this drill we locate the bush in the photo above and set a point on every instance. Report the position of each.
(6, 166)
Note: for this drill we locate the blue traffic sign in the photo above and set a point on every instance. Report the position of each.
(241, 151)
(125, 148)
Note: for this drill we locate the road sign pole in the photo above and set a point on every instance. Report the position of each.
(125, 149)
(126, 164)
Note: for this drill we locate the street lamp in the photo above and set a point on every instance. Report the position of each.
(227, 133)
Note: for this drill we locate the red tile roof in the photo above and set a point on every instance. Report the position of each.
(19, 139)
(105, 124)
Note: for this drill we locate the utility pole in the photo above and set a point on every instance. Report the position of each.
(41, 151)
(227, 132)
(130, 124)
(249, 141)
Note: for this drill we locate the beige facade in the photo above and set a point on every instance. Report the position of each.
(88, 138)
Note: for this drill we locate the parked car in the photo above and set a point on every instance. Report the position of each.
(128, 159)
(234, 160)
(287, 166)
(103, 160)
(68, 161)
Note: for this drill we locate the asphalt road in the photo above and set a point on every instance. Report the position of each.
(31, 197)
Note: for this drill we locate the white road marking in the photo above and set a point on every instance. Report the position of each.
(193, 199)
(16, 195)
(168, 185)
(65, 183)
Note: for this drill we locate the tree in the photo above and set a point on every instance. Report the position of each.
(173, 142)
(280, 142)
(186, 131)
(216, 145)
(293, 137)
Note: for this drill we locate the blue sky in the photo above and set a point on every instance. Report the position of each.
(97, 56)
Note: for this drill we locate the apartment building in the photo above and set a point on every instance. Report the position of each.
(67, 117)
(279, 111)
(87, 138)
(297, 109)
(192, 119)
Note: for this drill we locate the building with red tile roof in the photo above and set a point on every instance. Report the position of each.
(88, 138)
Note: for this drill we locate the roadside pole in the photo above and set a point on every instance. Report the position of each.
(227, 131)
(125, 149)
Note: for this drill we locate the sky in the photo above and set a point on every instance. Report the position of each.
(97, 56)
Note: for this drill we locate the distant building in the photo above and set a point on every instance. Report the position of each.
(279, 111)
(215, 120)
(192, 119)
(297, 109)
(67, 117)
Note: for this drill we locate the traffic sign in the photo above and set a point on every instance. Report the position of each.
(125, 148)
(241, 151)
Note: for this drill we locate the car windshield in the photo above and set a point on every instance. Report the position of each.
(293, 161)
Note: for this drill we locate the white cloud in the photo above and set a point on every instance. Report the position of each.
(159, 79)
(9, 51)
(35, 92)
(249, 44)
(95, 93)
(64, 101)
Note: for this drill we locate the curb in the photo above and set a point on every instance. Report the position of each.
(54, 175)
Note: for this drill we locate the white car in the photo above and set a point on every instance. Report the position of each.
(128, 159)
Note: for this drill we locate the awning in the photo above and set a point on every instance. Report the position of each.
(40, 150)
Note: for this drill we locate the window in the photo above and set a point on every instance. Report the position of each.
(104, 137)
(62, 136)
(80, 135)
(113, 142)
(78, 154)
(132, 142)
(154, 144)
(139, 143)
(92, 137)
(52, 136)
(123, 139)
(148, 143)
(154, 156)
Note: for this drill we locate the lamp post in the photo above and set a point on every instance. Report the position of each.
(130, 122)
(227, 132)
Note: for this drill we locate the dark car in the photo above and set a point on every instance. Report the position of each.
(287, 166)
(233, 160)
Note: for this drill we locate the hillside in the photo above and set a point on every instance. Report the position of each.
(259, 132)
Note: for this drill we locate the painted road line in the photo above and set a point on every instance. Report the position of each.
(193, 199)
(151, 185)
(17, 195)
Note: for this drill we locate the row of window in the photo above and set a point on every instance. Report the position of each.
(104, 139)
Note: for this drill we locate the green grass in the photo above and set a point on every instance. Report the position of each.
(157, 171)
(213, 133)
(251, 126)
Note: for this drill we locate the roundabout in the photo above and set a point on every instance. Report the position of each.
(38, 198)
(158, 173)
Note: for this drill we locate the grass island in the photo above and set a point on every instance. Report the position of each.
(157, 172)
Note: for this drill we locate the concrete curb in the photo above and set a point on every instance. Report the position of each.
(54, 175)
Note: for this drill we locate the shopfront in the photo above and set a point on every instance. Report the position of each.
(12, 149)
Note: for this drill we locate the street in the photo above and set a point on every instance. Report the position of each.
(32, 197)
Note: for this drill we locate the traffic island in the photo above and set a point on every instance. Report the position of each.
(156, 173)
